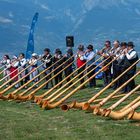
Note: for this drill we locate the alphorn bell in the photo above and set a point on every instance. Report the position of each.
(30, 96)
(47, 105)
(108, 110)
(39, 100)
(97, 108)
(117, 115)
(65, 108)
(10, 96)
(134, 116)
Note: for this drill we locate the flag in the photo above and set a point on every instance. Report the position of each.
(30, 44)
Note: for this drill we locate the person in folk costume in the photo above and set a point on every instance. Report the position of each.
(34, 63)
(80, 61)
(14, 69)
(22, 66)
(131, 56)
(69, 69)
(121, 65)
(115, 52)
(105, 53)
(58, 60)
(90, 57)
(7, 64)
(47, 60)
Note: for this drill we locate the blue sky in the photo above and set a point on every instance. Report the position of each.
(90, 21)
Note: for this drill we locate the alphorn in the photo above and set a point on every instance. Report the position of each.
(117, 115)
(48, 105)
(19, 97)
(3, 70)
(97, 107)
(65, 107)
(13, 96)
(134, 116)
(105, 112)
(15, 77)
(7, 75)
(2, 67)
(39, 100)
(8, 88)
(86, 105)
(10, 96)
(31, 95)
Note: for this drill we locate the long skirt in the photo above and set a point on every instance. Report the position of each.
(14, 73)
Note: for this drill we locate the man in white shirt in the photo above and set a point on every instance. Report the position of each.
(116, 71)
(90, 57)
(131, 57)
(22, 66)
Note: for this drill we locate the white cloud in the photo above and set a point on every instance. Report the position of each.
(69, 14)
(137, 11)
(50, 17)
(43, 6)
(11, 14)
(25, 26)
(5, 20)
(9, 1)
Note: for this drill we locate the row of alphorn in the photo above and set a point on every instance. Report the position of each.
(56, 98)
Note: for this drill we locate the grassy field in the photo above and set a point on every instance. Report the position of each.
(27, 121)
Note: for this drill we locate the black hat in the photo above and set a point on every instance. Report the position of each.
(108, 42)
(123, 44)
(70, 51)
(81, 47)
(90, 47)
(46, 50)
(131, 44)
(57, 50)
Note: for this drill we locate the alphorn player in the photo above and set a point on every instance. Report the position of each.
(90, 57)
(131, 57)
(47, 60)
(22, 66)
(80, 62)
(68, 70)
(14, 69)
(7, 64)
(34, 64)
(57, 60)
(115, 69)
(121, 64)
(105, 53)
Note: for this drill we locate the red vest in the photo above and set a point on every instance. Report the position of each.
(80, 62)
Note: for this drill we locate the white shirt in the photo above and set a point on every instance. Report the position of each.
(131, 55)
(33, 62)
(90, 56)
(15, 64)
(23, 62)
